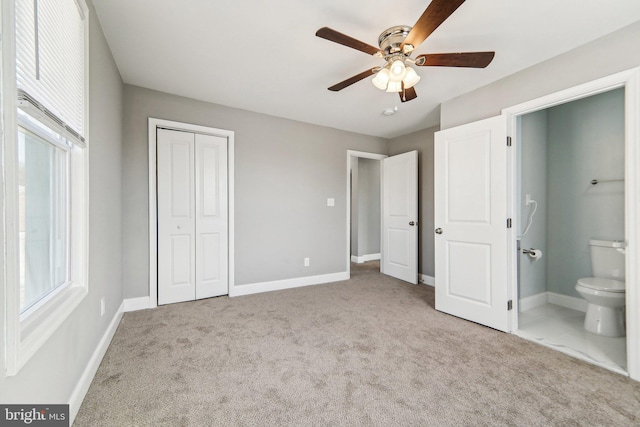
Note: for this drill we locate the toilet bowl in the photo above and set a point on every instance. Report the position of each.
(605, 309)
(605, 292)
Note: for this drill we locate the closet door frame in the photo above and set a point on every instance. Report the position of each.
(154, 124)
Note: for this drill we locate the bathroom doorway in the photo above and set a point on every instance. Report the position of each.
(570, 163)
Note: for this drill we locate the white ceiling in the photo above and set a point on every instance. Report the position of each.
(263, 56)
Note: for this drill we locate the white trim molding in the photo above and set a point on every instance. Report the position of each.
(533, 301)
(427, 280)
(364, 258)
(82, 387)
(277, 285)
(153, 231)
(574, 303)
(135, 304)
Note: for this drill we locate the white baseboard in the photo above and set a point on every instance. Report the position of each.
(533, 301)
(427, 280)
(365, 258)
(542, 298)
(135, 304)
(81, 388)
(568, 302)
(278, 285)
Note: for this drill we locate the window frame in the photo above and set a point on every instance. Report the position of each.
(26, 127)
(25, 334)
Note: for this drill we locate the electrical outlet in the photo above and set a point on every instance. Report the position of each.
(527, 199)
(102, 307)
(306, 262)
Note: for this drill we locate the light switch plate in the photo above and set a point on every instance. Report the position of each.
(331, 201)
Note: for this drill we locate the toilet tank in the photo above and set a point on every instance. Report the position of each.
(607, 259)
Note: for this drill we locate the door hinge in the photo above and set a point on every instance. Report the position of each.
(509, 305)
(508, 141)
(508, 222)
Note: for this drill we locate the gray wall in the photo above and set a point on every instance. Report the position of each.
(368, 210)
(422, 141)
(52, 373)
(532, 156)
(284, 173)
(586, 141)
(616, 52)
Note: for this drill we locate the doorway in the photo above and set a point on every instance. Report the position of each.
(505, 130)
(365, 209)
(192, 216)
(629, 83)
(360, 196)
(571, 188)
(224, 139)
(399, 213)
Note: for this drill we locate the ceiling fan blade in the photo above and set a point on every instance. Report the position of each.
(343, 39)
(435, 14)
(351, 80)
(463, 59)
(408, 94)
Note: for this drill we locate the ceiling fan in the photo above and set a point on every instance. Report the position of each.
(396, 46)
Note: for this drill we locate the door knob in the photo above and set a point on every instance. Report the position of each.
(412, 223)
(438, 230)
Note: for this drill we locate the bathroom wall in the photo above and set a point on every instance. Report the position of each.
(586, 141)
(532, 156)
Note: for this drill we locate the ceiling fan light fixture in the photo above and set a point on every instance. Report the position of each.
(394, 86)
(381, 79)
(410, 78)
(397, 71)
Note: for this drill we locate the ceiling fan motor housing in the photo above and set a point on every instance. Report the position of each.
(391, 39)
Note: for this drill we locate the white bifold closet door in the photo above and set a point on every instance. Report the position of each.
(192, 216)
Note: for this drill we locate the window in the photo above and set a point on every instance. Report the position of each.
(43, 209)
(46, 171)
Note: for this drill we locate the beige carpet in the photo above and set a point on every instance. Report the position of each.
(369, 351)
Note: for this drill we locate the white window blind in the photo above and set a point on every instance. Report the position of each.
(50, 62)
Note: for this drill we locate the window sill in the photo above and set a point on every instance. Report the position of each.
(41, 322)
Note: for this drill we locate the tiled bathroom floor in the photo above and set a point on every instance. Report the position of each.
(562, 329)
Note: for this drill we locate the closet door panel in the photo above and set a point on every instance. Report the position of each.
(176, 217)
(211, 216)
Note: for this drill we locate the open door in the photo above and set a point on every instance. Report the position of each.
(471, 222)
(400, 216)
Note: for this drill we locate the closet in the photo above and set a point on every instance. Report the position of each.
(192, 216)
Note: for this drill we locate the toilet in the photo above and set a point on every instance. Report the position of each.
(605, 292)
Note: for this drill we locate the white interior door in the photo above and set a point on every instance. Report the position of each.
(400, 216)
(211, 216)
(471, 222)
(176, 217)
(192, 216)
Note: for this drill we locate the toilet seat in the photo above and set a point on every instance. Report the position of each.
(600, 284)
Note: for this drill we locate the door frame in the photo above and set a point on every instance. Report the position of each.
(154, 124)
(630, 81)
(363, 155)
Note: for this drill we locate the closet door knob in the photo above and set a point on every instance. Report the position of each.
(438, 230)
